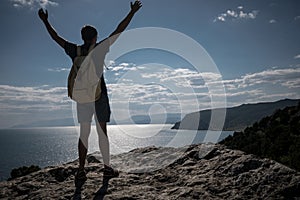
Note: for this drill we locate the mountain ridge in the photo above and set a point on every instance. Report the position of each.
(237, 118)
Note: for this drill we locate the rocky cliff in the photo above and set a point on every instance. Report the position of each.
(206, 171)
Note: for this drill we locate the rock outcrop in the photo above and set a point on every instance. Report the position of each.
(206, 171)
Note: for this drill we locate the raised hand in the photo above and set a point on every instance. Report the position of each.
(136, 6)
(43, 15)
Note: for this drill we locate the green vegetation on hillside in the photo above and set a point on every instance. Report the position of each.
(276, 137)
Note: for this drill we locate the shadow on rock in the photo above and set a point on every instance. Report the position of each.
(78, 188)
(103, 190)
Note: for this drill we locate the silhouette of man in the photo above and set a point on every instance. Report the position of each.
(100, 108)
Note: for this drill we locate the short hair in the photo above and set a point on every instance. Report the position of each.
(88, 33)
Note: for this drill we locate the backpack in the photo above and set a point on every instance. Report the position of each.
(84, 85)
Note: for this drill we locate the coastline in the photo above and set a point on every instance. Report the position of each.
(57, 145)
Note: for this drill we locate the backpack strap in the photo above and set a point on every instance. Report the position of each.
(78, 51)
(91, 48)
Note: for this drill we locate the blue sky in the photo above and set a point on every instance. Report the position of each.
(254, 44)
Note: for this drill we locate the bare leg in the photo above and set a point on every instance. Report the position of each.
(85, 129)
(103, 142)
(104, 148)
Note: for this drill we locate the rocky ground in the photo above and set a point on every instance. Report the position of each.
(194, 172)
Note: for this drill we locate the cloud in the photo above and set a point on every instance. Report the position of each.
(58, 69)
(123, 67)
(267, 85)
(232, 13)
(180, 90)
(172, 87)
(272, 76)
(292, 83)
(240, 14)
(297, 18)
(177, 90)
(30, 99)
(297, 56)
(33, 3)
(22, 105)
(272, 21)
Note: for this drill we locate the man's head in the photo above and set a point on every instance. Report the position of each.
(89, 34)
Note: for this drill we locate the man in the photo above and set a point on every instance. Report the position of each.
(100, 108)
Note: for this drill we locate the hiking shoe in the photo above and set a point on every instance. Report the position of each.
(80, 176)
(110, 172)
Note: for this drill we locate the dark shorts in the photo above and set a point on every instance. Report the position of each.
(101, 108)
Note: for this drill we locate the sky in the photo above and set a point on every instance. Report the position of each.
(253, 45)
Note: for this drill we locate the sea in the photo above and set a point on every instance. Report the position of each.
(50, 146)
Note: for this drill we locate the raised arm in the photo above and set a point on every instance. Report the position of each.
(124, 23)
(44, 17)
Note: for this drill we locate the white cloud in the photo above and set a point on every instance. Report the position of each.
(236, 14)
(221, 17)
(43, 98)
(268, 85)
(297, 18)
(232, 13)
(58, 69)
(172, 87)
(272, 21)
(272, 76)
(178, 90)
(297, 56)
(250, 15)
(21, 105)
(123, 67)
(33, 3)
